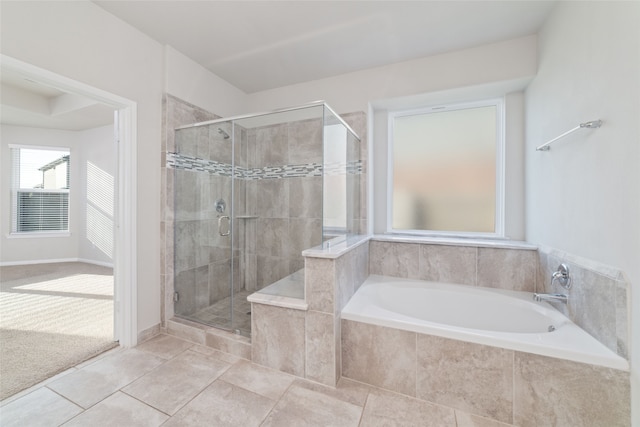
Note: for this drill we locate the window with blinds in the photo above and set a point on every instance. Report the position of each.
(40, 189)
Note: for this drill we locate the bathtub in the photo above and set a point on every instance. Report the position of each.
(494, 317)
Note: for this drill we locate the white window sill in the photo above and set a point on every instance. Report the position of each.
(487, 242)
(38, 235)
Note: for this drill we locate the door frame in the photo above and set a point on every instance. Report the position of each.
(125, 242)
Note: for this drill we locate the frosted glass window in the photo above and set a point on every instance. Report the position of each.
(444, 170)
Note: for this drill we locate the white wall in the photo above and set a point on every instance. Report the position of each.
(498, 62)
(583, 196)
(23, 249)
(493, 70)
(201, 87)
(93, 147)
(81, 41)
(97, 158)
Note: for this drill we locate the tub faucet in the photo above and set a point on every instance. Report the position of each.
(562, 276)
(551, 297)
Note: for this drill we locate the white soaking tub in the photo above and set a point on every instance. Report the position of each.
(495, 317)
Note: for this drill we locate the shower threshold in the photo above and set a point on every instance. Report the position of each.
(217, 314)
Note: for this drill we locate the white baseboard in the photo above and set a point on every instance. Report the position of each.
(51, 261)
(94, 262)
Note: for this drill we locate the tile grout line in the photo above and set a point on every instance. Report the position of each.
(83, 410)
(416, 368)
(143, 402)
(201, 391)
(276, 402)
(364, 405)
(477, 261)
(513, 386)
(168, 360)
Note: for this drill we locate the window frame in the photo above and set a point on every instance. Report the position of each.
(499, 222)
(15, 189)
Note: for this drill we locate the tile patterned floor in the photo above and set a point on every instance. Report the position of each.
(170, 382)
(217, 314)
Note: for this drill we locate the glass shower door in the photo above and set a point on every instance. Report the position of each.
(203, 212)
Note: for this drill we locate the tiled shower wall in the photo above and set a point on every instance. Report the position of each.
(278, 203)
(282, 195)
(287, 200)
(175, 113)
(203, 257)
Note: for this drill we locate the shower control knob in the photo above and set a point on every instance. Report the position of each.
(220, 205)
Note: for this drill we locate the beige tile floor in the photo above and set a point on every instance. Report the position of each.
(171, 382)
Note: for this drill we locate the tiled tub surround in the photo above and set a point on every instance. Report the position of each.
(509, 386)
(502, 265)
(494, 317)
(598, 299)
(506, 385)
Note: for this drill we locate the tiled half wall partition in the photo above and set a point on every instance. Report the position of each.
(308, 340)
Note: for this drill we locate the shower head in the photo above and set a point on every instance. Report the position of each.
(223, 133)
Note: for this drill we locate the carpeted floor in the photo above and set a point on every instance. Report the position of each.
(52, 317)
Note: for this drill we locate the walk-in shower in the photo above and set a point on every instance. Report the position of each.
(250, 194)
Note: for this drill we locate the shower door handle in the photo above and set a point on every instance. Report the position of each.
(220, 225)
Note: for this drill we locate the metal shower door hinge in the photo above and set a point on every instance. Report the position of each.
(176, 297)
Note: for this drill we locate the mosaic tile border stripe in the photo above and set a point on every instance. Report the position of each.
(179, 161)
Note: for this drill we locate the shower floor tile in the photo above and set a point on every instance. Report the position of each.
(217, 314)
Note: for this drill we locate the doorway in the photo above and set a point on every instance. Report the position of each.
(123, 185)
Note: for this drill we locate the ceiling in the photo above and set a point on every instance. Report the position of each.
(260, 45)
(27, 103)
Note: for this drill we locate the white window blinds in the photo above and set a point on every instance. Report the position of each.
(40, 189)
